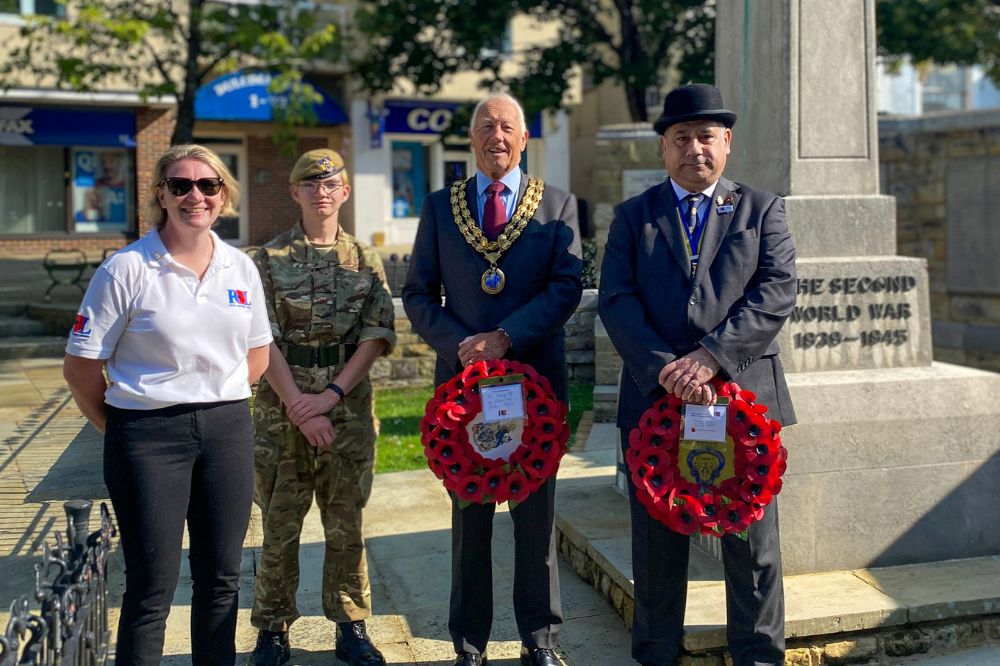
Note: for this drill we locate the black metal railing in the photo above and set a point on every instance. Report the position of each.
(70, 627)
(395, 272)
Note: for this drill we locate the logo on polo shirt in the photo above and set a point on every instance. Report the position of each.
(239, 298)
(80, 329)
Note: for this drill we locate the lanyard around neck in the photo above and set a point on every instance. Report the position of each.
(692, 240)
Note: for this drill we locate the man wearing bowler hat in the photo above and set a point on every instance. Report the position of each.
(698, 277)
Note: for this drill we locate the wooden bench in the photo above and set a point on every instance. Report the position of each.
(66, 267)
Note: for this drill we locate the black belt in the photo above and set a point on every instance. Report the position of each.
(322, 357)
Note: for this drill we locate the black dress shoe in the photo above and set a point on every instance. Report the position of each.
(470, 659)
(539, 657)
(354, 647)
(271, 649)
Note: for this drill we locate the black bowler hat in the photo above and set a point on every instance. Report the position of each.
(696, 101)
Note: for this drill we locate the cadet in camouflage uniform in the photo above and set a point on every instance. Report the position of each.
(332, 316)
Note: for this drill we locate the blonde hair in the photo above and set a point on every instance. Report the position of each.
(191, 151)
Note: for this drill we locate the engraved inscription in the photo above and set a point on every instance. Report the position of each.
(850, 321)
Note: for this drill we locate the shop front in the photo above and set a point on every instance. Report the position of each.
(66, 173)
(403, 150)
(235, 116)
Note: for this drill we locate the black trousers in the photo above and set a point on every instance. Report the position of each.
(755, 602)
(163, 467)
(536, 572)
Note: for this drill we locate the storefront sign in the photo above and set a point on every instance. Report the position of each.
(52, 126)
(426, 117)
(245, 96)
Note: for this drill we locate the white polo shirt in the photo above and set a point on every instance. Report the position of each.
(170, 338)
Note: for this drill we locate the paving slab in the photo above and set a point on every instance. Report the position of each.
(942, 590)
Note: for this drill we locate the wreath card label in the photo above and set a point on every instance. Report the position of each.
(706, 423)
(502, 398)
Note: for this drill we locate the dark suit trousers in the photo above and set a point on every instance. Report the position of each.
(755, 610)
(536, 572)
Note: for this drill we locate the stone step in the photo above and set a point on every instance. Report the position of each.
(12, 309)
(40, 346)
(19, 327)
(860, 616)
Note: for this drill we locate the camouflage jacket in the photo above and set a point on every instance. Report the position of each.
(317, 298)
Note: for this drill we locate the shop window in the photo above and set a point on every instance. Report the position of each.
(32, 189)
(102, 192)
(29, 7)
(410, 161)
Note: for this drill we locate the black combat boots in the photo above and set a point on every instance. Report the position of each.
(272, 648)
(354, 647)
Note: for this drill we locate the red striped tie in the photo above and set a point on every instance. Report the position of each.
(494, 212)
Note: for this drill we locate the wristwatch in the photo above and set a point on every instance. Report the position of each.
(336, 389)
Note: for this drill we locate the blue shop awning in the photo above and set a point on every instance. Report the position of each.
(244, 96)
(57, 126)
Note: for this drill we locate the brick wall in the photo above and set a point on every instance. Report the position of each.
(271, 208)
(944, 171)
(154, 128)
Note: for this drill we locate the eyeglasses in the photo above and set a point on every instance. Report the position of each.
(312, 188)
(181, 186)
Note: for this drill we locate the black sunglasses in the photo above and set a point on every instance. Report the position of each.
(181, 186)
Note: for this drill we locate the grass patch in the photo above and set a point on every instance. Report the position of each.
(400, 409)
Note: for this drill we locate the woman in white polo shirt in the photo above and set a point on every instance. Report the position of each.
(178, 321)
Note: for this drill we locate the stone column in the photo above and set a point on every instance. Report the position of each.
(800, 76)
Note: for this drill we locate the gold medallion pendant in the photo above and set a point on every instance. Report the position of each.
(494, 280)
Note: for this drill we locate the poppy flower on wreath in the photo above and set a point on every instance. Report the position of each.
(682, 500)
(471, 488)
(450, 425)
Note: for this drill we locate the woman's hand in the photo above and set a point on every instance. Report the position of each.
(318, 432)
(309, 405)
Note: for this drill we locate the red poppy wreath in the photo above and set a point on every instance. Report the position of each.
(493, 462)
(711, 489)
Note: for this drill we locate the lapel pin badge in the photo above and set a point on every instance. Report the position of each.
(724, 207)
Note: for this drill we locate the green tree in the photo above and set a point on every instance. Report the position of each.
(170, 48)
(958, 32)
(631, 42)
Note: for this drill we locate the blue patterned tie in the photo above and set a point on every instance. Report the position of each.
(692, 213)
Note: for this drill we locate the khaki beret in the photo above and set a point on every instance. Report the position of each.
(318, 164)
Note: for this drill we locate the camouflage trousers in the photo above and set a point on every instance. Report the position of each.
(288, 473)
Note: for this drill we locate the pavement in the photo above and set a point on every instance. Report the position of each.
(49, 454)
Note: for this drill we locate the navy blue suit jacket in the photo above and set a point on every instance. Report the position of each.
(741, 295)
(543, 284)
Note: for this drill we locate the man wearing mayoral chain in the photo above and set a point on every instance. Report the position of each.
(506, 248)
(698, 278)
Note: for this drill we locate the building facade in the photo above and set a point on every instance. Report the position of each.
(75, 168)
